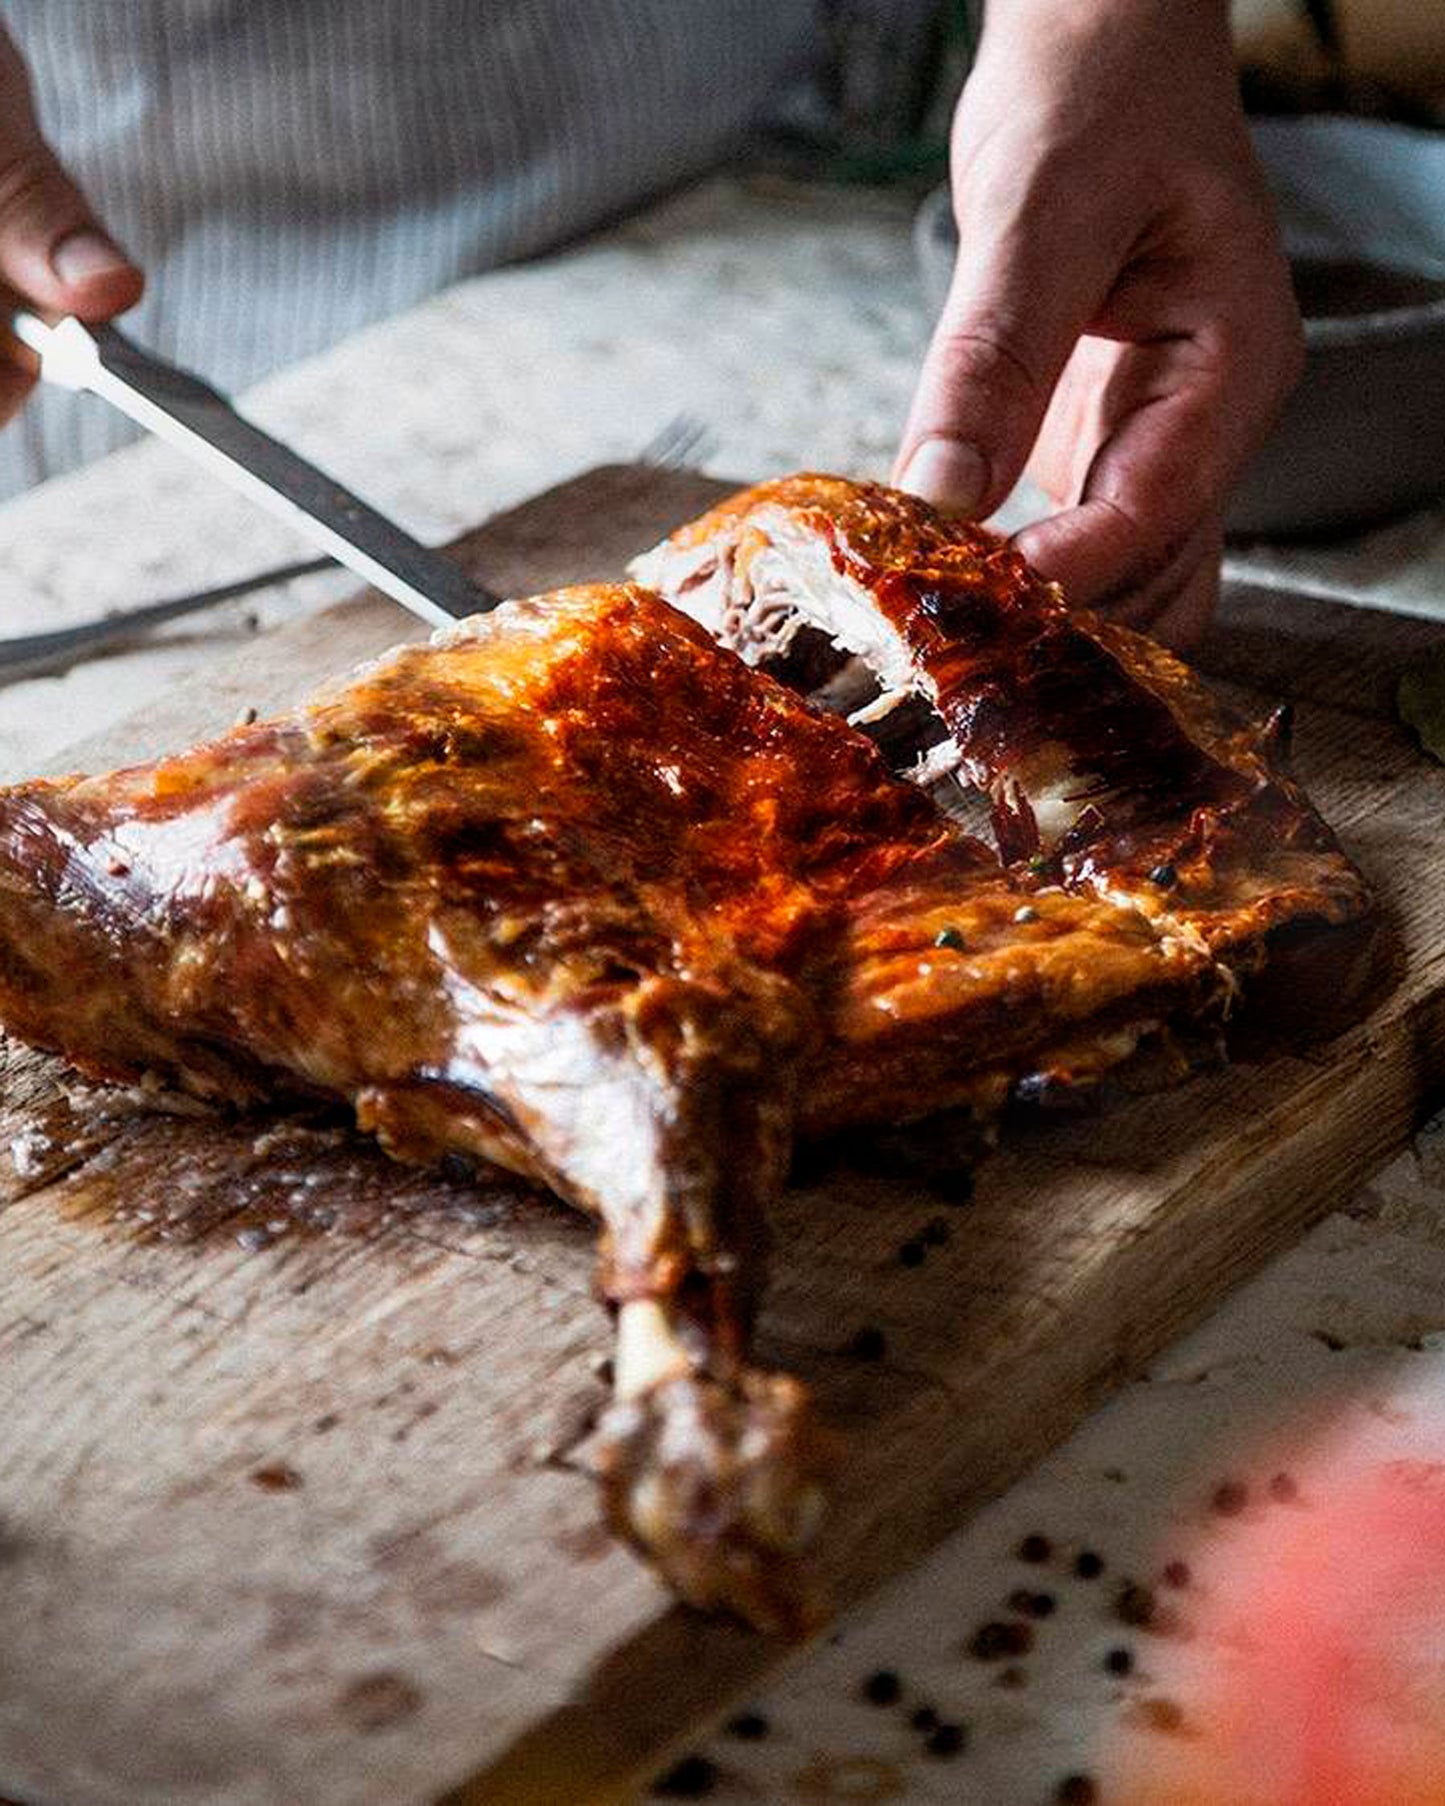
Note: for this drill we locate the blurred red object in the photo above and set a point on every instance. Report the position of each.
(1309, 1667)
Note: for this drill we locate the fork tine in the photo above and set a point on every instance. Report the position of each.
(659, 449)
(683, 440)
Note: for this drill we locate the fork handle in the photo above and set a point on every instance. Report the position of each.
(30, 654)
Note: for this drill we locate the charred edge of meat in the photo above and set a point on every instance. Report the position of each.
(1162, 1059)
(1312, 982)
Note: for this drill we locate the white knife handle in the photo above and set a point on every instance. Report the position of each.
(187, 412)
(69, 356)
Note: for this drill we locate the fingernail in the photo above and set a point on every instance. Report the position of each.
(86, 255)
(950, 473)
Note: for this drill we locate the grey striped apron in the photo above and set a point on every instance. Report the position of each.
(288, 170)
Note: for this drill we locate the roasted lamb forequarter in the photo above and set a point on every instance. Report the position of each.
(1106, 762)
(573, 889)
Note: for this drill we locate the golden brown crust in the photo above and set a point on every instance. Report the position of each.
(587, 807)
(1172, 803)
(575, 890)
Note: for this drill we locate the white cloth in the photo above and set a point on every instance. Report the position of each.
(288, 170)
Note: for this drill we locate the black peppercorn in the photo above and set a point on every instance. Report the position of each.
(924, 1719)
(691, 1779)
(955, 1188)
(752, 1727)
(993, 1641)
(1164, 876)
(1135, 1605)
(883, 1688)
(951, 938)
(947, 1740)
(1230, 1498)
(1088, 1565)
(1076, 1790)
(869, 1344)
(1119, 1661)
(1035, 1548)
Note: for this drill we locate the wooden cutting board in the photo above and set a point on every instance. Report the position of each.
(289, 1502)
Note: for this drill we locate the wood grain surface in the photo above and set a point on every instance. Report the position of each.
(293, 1502)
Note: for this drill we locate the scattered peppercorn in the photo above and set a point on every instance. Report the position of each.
(1230, 1498)
(869, 1344)
(935, 1232)
(912, 1254)
(277, 1477)
(1076, 1790)
(883, 1688)
(752, 1727)
(1035, 1547)
(1162, 1714)
(1119, 1661)
(690, 1779)
(993, 1641)
(947, 1740)
(1088, 1565)
(1012, 1677)
(952, 1187)
(1284, 1489)
(1135, 1605)
(951, 938)
(1177, 1574)
(1032, 1605)
(925, 1719)
(1164, 876)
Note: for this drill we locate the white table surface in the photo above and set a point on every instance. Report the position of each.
(790, 325)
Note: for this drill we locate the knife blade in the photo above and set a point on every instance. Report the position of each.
(188, 413)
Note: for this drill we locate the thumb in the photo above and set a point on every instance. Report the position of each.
(1006, 331)
(54, 253)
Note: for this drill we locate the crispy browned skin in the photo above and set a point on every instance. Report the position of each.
(1157, 795)
(577, 891)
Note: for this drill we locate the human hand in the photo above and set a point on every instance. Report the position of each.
(54, 254)
(1120, 317)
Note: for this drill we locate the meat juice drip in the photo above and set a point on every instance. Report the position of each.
(257, 1183)
(1340, 288)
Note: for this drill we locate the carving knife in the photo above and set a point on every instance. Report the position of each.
(188, 413)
